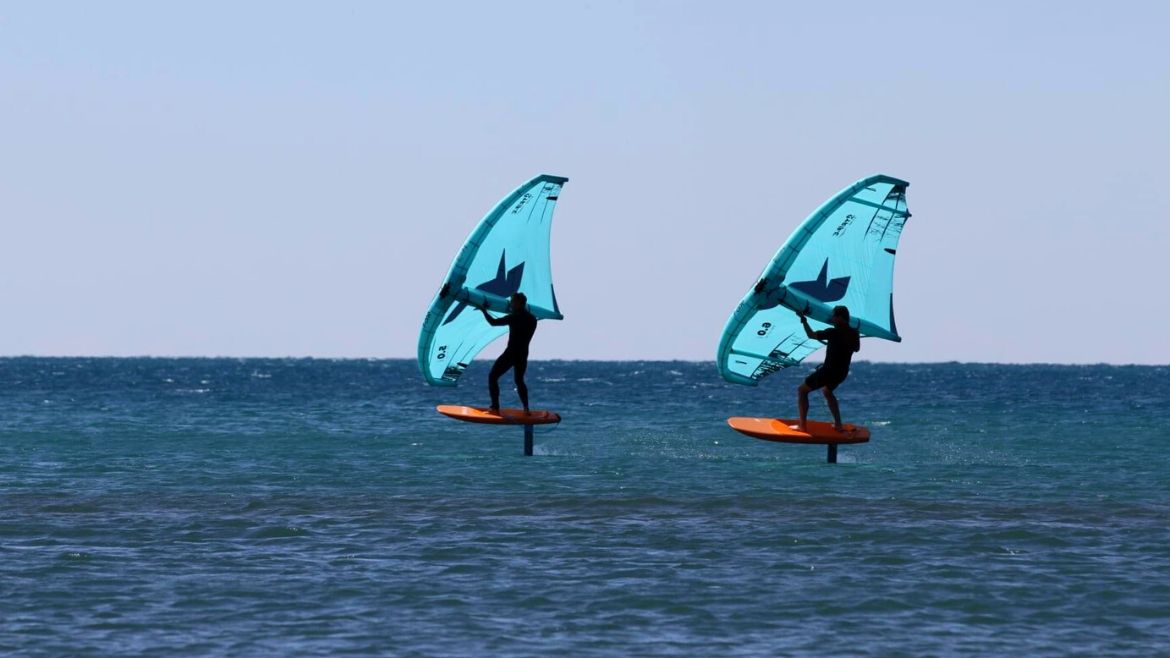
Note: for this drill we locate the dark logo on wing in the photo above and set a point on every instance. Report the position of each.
(823, 289)
(505, 284)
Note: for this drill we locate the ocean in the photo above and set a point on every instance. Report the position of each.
(298, 507)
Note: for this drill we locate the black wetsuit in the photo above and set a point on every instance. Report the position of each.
(842, 343)
(521, 325)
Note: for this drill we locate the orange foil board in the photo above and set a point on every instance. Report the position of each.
(505, 417)
(777, 429)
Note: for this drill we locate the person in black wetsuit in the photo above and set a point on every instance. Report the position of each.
(842, 341)
(521, 325)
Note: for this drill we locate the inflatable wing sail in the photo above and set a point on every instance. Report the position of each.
(843, 254)
(508, 252)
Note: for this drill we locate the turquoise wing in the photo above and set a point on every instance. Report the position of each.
(508, 252)
(842, 254)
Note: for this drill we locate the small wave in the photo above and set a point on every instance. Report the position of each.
(280, 532)
(71, 508)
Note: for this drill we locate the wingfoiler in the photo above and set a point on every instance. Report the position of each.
(841, 254)
(508, 253)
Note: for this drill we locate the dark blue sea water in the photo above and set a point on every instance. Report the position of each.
(172, 507)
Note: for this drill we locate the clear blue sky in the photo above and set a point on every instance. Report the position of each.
(288, 178)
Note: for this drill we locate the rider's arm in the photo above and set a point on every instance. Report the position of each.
(807, 329)
(495, 322)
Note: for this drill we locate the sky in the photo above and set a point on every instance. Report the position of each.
(293, 179)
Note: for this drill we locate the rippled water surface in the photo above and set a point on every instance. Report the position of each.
(298, 507)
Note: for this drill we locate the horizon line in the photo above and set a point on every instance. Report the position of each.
(6, 357)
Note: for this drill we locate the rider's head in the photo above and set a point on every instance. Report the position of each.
(519, 302)
(840, 316)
